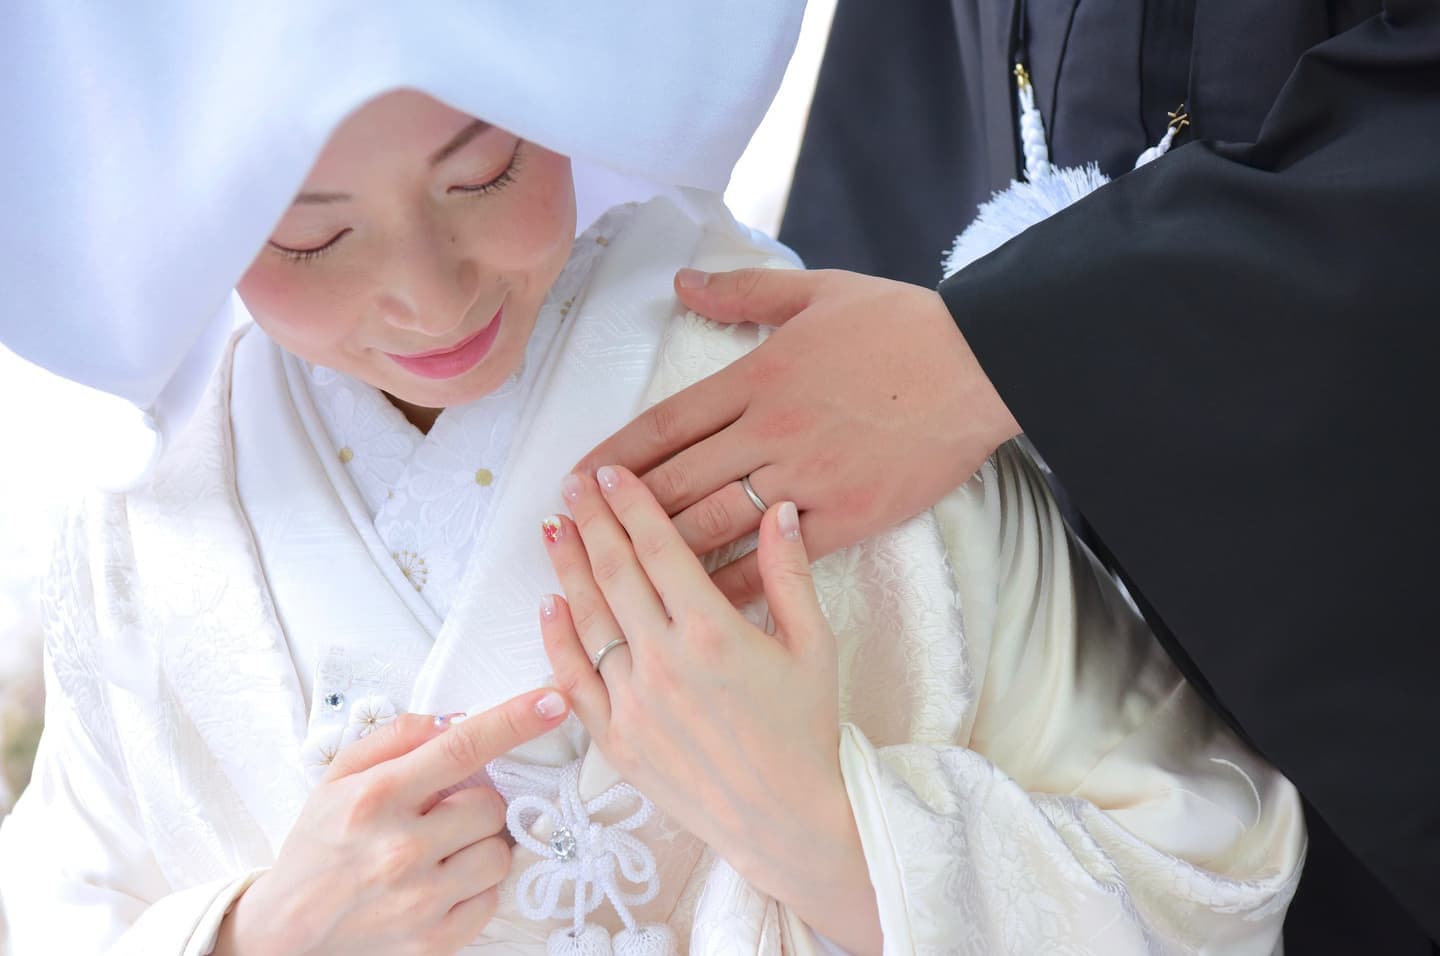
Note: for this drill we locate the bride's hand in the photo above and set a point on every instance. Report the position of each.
(732, 731)
(865, 407)
(376, 863)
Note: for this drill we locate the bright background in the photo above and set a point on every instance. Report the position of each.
(42, 470)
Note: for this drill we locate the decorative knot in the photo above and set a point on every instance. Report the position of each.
(595, 857)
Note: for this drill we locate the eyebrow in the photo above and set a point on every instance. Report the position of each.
(457, 143)
(320, 198)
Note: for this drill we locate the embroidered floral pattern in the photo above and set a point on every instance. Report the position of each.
(367, 715)
(429, 494)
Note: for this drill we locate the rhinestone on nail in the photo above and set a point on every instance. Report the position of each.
(335, 701)
(562, 842)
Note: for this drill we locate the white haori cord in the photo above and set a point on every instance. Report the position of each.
(1044, 191)
(592, 856)
(1032, 127)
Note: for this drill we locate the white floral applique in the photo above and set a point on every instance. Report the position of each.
(592, 862)
(367, 715)
(319, 751)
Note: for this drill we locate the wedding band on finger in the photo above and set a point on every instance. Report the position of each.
(755, 499)
(599, 657)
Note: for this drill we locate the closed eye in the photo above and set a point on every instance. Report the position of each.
(301, 255)
(505, 178)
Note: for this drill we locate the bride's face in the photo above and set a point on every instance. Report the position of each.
(418, 252)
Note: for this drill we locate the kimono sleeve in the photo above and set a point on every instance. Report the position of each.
(1096, 805)
(1227, 357)
(76, 873)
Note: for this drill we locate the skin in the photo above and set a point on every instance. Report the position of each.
(427, 249)
(865, 407)
(425, 254)
(688, 709)
(375, 864)
(417, 263)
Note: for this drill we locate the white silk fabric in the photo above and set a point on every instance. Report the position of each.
(155, 144)
(1028, 771)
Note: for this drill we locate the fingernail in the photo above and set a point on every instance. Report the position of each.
(551, 528)
(788, 517)
(692, 279)
(571, 487)
(550, 706)
(445, 720)
(547, 607)
(608, 477)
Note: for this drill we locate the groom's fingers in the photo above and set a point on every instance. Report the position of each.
(682, 420)
(762, 296)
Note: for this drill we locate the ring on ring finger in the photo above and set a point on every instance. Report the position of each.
(598, 657)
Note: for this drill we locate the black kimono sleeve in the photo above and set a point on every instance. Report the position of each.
(1230, 359)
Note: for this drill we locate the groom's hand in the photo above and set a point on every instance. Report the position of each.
(866, 406)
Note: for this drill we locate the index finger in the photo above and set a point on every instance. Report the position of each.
(687, 417)
(463, 751)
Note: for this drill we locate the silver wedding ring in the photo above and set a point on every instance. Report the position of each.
(755, 499)
(600, 654)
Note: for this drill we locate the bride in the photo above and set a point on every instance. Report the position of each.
(954, 737)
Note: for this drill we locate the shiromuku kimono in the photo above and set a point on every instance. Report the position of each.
(1028, 771)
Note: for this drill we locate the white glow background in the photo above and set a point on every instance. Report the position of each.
(42, 469)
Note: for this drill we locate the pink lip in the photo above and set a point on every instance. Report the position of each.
(456, 359)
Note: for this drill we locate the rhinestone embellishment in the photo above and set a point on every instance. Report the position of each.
(335, 701)
(562, 842)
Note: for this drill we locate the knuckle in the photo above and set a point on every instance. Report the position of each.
(787, 423)
(713, 518)
(670, 482)
(490, 813)
(586, 614)
(370, 801)
(763, 370)
(651, 546)
(465, 749)
(572, 682)
(497, 861)
(662, 422)
(395, 858)
(749, 282)
(607, 566)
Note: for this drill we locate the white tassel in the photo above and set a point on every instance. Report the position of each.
(591, 940)
(652, 939)
(1012, 211)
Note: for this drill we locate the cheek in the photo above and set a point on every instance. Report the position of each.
(533, 234)
(303, 314)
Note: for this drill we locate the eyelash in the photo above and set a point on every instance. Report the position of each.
(505, 178)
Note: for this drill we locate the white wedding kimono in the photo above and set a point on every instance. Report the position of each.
(1028, 771)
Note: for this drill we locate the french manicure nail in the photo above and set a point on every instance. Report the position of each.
(788, 517)
(571, 487)
(547, 607)
(550, 706)
(608, 477)
(551, 528)
(692, 279)
(445, 720)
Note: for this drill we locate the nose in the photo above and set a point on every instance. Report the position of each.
(428, 289)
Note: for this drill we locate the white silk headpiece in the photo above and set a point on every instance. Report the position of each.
(152, 146)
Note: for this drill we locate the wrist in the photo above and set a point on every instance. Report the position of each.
(814, 863)
(252, 926)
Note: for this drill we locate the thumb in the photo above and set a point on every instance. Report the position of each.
(398, 737)
(762, 296)
(785, 571)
